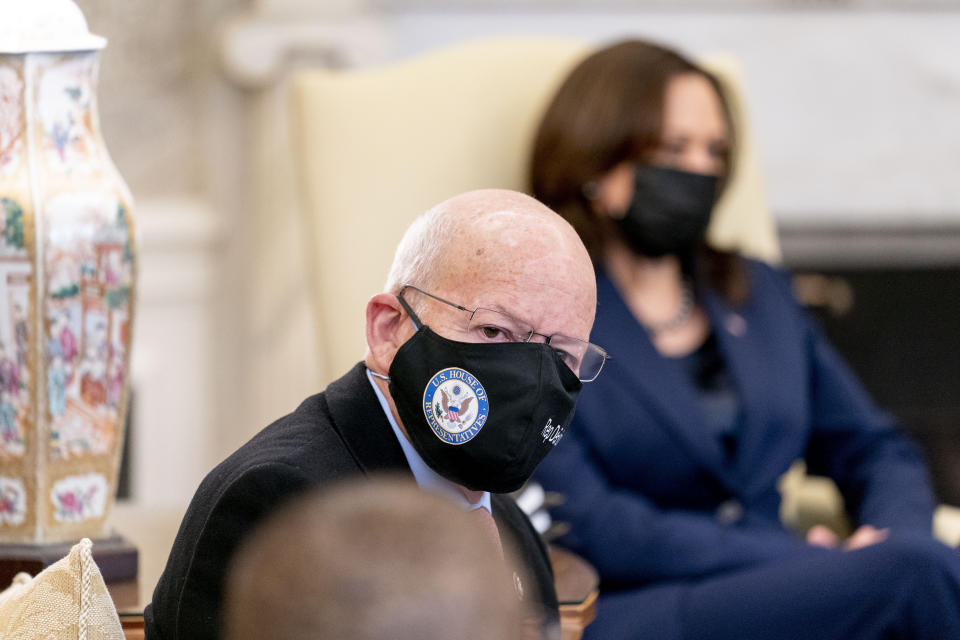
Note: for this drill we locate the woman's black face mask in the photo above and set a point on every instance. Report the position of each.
(482, 415)
(669, 211)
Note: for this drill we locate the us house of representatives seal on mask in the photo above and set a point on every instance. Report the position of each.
(455, 405)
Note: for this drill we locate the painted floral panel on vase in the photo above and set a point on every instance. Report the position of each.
(11, 115)
(65, 106)
(15, 270)
(15, 266)
(13, 501)
(17, 390)
(89, 274)
(79, 498)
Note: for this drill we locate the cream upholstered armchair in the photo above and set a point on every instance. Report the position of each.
(375, 147)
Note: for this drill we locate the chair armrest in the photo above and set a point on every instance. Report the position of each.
(946, 524)
(133, 626)
(810, 500)
(577, 586)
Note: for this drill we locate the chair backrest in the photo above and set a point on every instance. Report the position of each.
(376, 147)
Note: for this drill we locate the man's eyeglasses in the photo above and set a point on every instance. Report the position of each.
(489, 325)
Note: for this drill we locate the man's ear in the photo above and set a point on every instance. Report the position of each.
(388, 327)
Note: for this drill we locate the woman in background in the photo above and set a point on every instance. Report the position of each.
(718, 382)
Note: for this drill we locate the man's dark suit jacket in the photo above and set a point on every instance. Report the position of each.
(333, 435)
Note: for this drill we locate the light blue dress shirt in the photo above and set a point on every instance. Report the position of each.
(426, 477)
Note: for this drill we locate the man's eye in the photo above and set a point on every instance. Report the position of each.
(492, 333)
(568, 358)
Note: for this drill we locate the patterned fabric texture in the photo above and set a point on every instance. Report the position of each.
(68, 599)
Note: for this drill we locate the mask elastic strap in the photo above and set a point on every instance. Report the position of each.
(378, 375)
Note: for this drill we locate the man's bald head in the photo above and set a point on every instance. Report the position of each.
(477, 233)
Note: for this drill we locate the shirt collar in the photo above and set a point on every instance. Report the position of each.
(426, 477)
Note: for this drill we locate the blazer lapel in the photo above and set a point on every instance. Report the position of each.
(741, 344)
(657, 381)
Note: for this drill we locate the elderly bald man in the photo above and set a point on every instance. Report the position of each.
(476, 352)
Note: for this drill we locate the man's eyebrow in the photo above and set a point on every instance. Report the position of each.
(509, 314)
(499, 308)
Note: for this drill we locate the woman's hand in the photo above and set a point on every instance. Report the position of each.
(864, 537)
(821, 536)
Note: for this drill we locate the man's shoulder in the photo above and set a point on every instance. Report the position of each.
(330, 435)
(297, 452)
(305, 441)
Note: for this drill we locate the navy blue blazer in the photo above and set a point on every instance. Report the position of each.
(649, 495)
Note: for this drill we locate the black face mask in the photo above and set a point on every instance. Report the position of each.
(482, 415)
(669, 211)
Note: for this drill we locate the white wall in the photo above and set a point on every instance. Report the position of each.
(857, 112)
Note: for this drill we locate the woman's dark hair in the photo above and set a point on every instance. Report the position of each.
(609, 110)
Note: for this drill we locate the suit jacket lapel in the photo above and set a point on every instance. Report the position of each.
(361, 423)
(660, 383)
(741, 344)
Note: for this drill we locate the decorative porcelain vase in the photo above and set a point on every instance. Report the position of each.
(67, 272)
